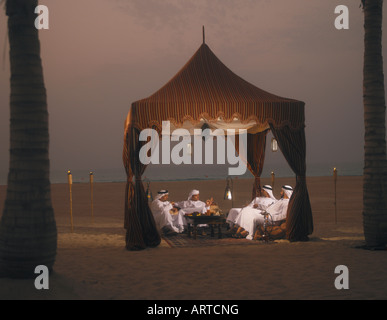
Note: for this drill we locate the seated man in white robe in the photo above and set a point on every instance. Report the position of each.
(193, 204)
(167, 218)
(245, 218)
(258, 202)
(277, 211)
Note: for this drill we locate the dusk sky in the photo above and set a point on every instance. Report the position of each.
(99, 56)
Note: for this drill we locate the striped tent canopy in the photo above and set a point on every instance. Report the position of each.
(206, 92)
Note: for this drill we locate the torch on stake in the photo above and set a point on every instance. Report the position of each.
(91, 196)
(335, 181)
(70, 179)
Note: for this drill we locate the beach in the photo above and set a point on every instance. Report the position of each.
(92, 262)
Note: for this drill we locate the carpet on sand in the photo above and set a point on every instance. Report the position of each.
(182, 240)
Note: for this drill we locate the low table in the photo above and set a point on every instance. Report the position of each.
(193, 221)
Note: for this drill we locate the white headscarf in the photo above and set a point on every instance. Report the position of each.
(288, 190)
(192, 193)
(161, 194)
(269, 190)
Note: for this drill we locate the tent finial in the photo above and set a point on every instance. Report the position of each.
(204, 37)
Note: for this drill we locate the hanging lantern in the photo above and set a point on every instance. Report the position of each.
(229, 189)
(228, 192)
(274, 145)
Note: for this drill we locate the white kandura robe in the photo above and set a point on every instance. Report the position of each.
(163, 218)
(278, 212)
(249, 216)
(190, 206)
(234, 212)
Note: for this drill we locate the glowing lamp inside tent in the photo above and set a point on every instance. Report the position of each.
(189, 148)
(228, 191)
(228, 194)
(274, 145)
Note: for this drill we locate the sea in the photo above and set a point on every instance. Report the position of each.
(196, 172)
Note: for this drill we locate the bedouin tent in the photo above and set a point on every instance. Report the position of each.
(206, 92)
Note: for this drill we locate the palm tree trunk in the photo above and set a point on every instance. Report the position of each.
(375, 163)
(28, 235)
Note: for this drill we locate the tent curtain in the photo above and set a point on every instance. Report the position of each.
(256, 145)
(140, 226)
(256, 158)
(299, 223)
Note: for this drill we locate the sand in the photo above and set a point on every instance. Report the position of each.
(92, 262)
